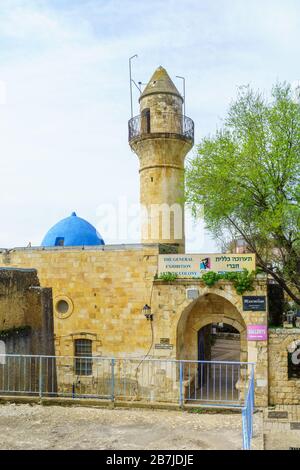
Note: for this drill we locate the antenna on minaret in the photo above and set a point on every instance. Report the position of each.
(183, 79)
(140, 85)
(131, 81)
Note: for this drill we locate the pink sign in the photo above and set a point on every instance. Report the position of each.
(257, 333)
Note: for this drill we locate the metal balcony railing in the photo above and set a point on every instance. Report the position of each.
(161, 123)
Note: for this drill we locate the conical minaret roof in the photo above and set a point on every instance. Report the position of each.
(160, 82)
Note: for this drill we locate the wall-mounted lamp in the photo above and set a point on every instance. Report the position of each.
(147, 312)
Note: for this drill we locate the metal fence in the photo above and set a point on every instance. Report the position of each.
(153, 380)
(214, 381)
(247, 414)
(207, 383)
(161, 123)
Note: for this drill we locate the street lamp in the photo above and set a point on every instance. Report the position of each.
(147, 312)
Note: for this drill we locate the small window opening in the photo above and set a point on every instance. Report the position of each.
(146, 126)
(62, 306)
(83, 359)
(60, 241)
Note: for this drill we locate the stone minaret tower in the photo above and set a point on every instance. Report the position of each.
(161, 137)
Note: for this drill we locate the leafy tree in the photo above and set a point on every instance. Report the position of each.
(246, 179)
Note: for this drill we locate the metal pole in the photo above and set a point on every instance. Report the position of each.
(183, 79)
(113, 380)
(130, 83)
(180, 384)
(40, 378)
(245, 431)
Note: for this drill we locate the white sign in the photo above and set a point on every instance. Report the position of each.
(195, 265)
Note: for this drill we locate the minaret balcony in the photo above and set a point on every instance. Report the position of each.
(166, 125)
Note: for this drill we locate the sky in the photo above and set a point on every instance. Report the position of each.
(64, 95)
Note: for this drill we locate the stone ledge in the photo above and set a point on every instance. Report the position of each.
(200, 282)
(87, 402)
(284, 331)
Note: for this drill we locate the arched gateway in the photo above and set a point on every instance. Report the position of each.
(208, 309)
(211, 330)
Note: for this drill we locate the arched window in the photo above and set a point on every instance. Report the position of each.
(2, 352)
(83, 357)
(145, 124)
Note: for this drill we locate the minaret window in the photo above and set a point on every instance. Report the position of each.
(146, 125)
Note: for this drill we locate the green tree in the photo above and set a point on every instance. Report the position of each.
(245, 179)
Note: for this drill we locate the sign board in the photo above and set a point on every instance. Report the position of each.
(164, 340)
(254, 303)
(257, 333)
(195, 265)
(163, 346)
(192, 293)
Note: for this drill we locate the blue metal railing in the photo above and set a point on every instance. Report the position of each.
(214, 381)
(208, 382)
(247, 414)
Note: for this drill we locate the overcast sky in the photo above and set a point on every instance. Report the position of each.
(64, 94)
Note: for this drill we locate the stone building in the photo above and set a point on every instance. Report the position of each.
(26, 329)
(100, 291)
(26, 313)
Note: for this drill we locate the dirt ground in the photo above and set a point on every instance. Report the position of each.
(56, 427)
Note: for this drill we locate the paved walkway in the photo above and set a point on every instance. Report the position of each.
(55, 427)
(226, 350)
(281, 427)
(217, 382)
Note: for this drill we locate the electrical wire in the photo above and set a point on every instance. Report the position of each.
(148, 352)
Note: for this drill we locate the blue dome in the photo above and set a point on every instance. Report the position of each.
(72, 231)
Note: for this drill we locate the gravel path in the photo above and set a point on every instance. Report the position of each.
(57, 427)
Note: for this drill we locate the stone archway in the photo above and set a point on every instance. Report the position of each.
(207, 309)
(205, 379)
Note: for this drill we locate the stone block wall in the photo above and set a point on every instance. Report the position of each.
(99, 293)
(26, 328)
(282, 390)
(104, 289)
(179, 319)
(26, 314)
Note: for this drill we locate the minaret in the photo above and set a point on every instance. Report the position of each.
(161, 137)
